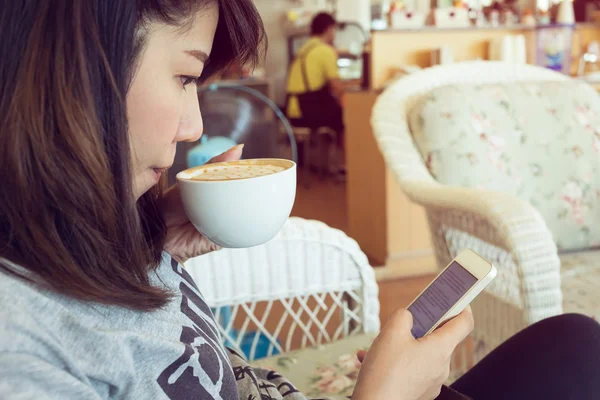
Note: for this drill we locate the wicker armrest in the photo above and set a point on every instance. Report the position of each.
(305, 258)
(509, 223)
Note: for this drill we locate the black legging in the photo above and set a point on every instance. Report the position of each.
(557, 358)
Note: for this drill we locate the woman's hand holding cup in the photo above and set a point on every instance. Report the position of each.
(183, 239)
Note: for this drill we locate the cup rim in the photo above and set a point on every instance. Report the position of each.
(291, 164)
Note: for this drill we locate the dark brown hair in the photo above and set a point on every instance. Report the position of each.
(67, 210)
(320, 23)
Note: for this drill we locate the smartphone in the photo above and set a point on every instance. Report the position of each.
(450, 292)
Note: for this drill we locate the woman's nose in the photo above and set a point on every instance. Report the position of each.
(190, 126)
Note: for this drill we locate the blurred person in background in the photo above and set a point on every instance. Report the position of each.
(314, 87)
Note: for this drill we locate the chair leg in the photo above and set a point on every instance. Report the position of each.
(324, 139)
(306, 177)
(333, 166)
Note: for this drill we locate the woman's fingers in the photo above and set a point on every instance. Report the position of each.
(361, 355)
(234, 153)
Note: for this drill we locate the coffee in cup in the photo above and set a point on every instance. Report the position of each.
(238, 170)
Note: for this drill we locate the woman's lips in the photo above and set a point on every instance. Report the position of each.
(158, 172)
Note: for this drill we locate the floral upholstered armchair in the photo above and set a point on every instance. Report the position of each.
(302, 304)
(505, 159)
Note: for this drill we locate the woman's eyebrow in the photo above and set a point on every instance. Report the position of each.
(198, 54)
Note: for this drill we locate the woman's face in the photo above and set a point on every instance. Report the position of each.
(162, 104)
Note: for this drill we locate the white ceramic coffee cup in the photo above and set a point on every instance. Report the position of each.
(239, 212)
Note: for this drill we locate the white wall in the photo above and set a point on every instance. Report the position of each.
(271, 12)
(355, 10)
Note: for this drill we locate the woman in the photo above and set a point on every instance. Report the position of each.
(94, 97)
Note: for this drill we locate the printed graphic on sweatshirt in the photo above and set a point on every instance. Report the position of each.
(203, 370)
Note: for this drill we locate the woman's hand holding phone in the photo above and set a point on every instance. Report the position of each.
(398, 366)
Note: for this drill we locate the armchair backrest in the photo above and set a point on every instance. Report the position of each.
(521, 130)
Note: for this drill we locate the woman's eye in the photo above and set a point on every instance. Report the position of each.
(186, 80)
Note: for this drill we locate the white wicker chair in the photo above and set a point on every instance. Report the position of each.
(505, 229)
(311, 280)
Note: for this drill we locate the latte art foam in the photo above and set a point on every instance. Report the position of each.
(231, 172)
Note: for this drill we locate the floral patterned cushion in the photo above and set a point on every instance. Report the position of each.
(538, 141)
(330, 370)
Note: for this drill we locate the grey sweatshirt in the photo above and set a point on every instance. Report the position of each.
(55, 347)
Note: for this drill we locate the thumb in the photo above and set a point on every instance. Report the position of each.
(233, 154)
(454, 330)
(400, 322)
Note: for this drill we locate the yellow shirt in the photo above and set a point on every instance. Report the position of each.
(321, 67)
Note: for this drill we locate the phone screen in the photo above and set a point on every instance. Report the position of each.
(439, 297)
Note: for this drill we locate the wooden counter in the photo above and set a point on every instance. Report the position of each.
(391, 49)
(389, 228)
